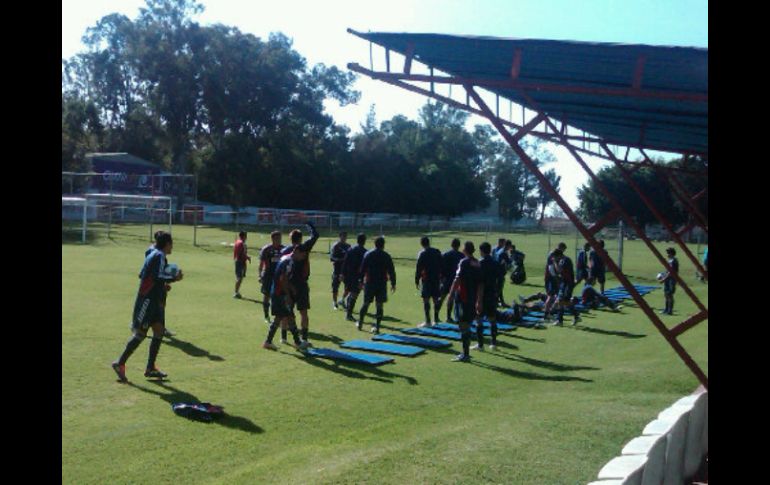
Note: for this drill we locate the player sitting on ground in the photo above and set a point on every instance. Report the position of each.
(592, 298)
(428, 272)
(149, 308)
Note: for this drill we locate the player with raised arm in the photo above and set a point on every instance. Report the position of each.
(337, 257)
(465, 292)
(427, 279)
(351, 274)
(449, 262)
(300, 277)
(376, 268)
(269, 256)
(149, 307)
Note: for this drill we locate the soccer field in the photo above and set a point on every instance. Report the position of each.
(550, 406)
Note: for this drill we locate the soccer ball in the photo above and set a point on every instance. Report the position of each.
(172, 270)
(660, 276)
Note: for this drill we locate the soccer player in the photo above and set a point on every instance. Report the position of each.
(465, 292)
(519, 274)
(300, 278)
(449, 262)
(376, 268)
(283, 296)
(592, 298)
(337, 256)
(351, 274)
(566, 285)
(149, 308)
(166, 331)
(428, 272)
(552, 279)
(269, 256)
(504, 262)
(596, 268)
(581, 264)
(669, 282)
(240, 256)
(489, 272)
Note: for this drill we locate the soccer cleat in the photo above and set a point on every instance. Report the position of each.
(120, 370)
(359, 325)
(450, 320)
(155, 374)
(168, 333)
(237, 296)
(576, 321)
(375, 330)
(284, 341)
(335, 306)
(425, 324)
(663, 312)
(461, 358)
(307, 343)
(350, 318)
(303, 346)
(269, 346)
(478, 347)
(493, 347)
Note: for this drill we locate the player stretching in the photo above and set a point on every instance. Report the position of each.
(489, 271)
(428, 272)
(351, 274)
(465, 292)
(449, 262)
(337, 256)
(283, 297)
(149, 308)
(269, 256)
(300, 278)
(240, 255)
(669, 282)
(376, 268)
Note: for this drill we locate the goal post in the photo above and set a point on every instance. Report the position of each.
(79, 204)
(134, 208)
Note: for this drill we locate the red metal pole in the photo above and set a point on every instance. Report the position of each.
(532, 166)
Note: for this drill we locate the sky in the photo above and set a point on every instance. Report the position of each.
(318, 30)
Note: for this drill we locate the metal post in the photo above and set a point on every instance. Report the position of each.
(85, 219)
(149, 211)
(109, 208)
(170, 215)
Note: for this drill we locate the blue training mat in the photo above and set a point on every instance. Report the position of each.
(408, 350)
(405, 339)
(531, 319)
(430, 332)
(349, 356)
(501, 327)
(453, 327)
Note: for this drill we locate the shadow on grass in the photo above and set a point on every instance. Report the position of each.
(527, 375)
(617, 333)
(175, 395)
(356, 371)
(261, 302)
(542, 363)
(324, 338)
(192, 349)
(528, 339)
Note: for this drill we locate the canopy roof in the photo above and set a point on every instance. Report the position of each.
(643, 96)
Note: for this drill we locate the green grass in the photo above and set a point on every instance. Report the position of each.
(550, 407)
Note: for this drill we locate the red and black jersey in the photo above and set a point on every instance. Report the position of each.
(152, 277)
(269, 257)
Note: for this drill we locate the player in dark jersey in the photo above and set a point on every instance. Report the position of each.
(283, 295)
(591, 297)
(337, 256)
(449, 262)
(149, 308)
(465, 292)
(596, 268)
(240, 256)
(269, 256)
(166, 331)
(300, 278)
(519, 273)
(376, 268)
(581, 264)
(428, 273)
(669, 282)
(504, 261)
(566, 273)
(489, 272)
(351, 274)
(552, 279)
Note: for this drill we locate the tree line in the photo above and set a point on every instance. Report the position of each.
(246, 115)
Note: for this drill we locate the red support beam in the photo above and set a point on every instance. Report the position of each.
(688, 324)
(408, 61)
(533, 168)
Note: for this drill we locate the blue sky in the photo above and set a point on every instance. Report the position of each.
(318, 31)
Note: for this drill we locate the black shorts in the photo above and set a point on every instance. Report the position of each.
(303, 297)
(489, 305)
(430, 289)
(352, 285)
(600, 277)
(146, 312)
(464, 312)
(267, 282)
(279, 308)
(565, 291)
(240, 269)
(335, 281)
(377, 292)
(669, 286)
(551, 286)
(581, 275)
(446, 285)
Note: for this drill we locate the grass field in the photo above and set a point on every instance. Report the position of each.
(550, 406)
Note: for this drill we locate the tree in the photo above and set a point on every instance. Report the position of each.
(543, 197)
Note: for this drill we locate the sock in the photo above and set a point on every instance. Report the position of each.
(560, 314)
(304, 333)
(480, 334)
(154, 348)
(466, 336)
(426, 308)
(266, 307)
(294, 333)
(271, 332)
(379, 317)
(352, 303)
(283, 334)
(131, 345)
(449, 309)
(494, 332)
(435, 315)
